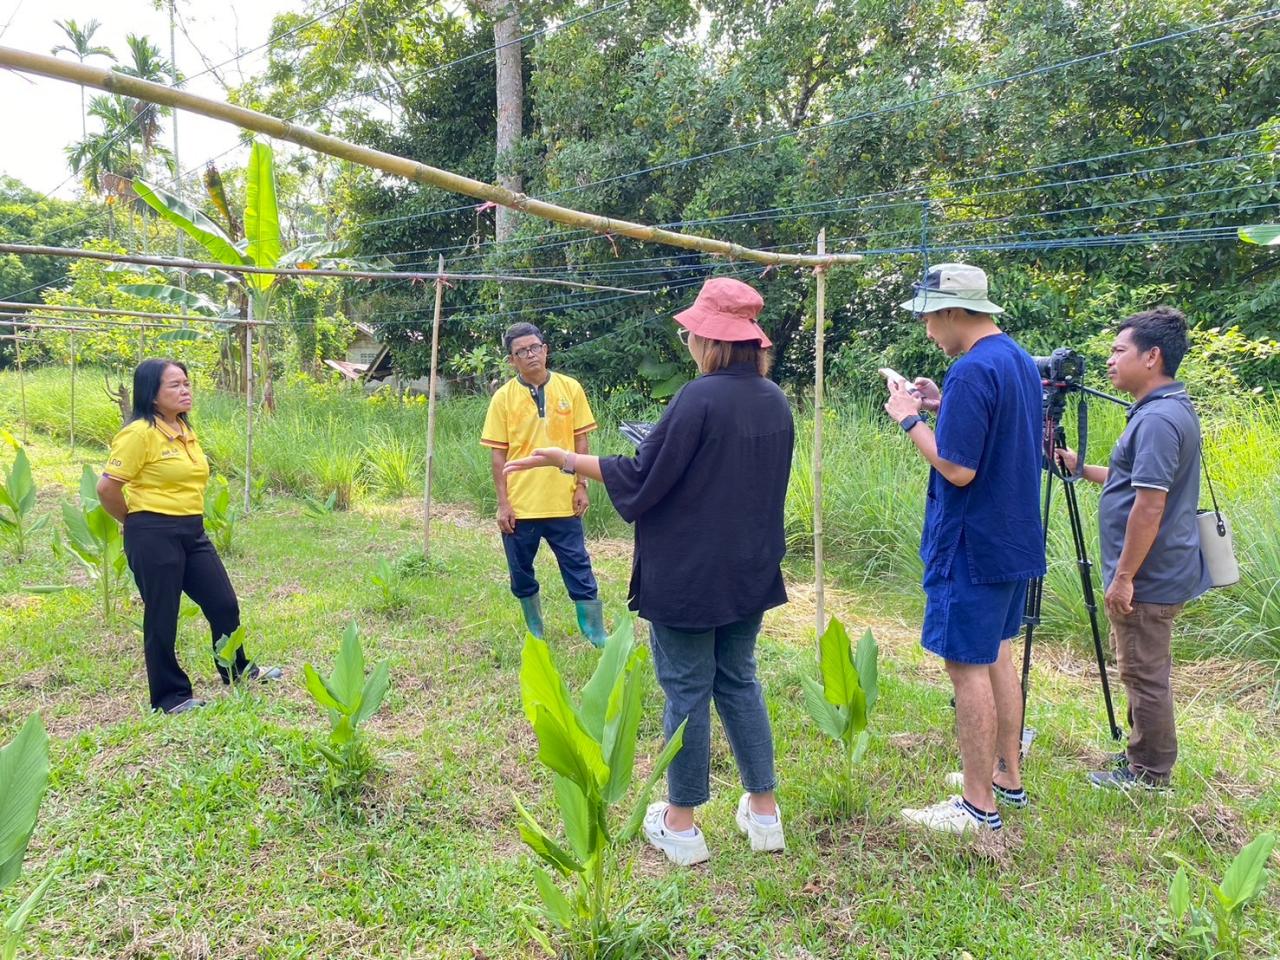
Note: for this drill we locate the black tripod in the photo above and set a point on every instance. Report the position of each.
(1054, 440)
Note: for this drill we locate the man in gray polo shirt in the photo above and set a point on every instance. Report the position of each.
(1151, 562)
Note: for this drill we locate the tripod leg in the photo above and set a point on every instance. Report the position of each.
(1085, 567)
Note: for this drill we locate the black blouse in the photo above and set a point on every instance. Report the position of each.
(706, 492)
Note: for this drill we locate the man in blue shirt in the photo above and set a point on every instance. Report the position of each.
(982, 539)
(1151, 560)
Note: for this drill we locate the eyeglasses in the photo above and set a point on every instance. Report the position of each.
(683, 334)
(524, 353)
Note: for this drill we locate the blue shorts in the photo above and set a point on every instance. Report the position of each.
(966, 622)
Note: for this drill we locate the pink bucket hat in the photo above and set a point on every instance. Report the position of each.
(725, 309)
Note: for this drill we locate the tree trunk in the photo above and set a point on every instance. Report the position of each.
(510, 103)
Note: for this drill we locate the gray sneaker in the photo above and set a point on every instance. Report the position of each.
(269, 675)
(186, 706)
(1126, 779)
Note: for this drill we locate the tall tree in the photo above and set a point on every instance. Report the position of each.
(82, 48)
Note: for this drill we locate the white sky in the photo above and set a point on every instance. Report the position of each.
(42, 116)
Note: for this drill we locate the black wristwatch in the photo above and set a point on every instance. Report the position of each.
(909, 423)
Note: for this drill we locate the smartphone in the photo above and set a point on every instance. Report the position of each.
(892, 375)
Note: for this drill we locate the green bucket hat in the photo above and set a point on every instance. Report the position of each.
(952, 285)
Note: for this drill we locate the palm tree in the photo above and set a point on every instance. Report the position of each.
(147, 64)
(82, 49)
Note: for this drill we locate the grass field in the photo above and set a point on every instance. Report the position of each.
(209, 835)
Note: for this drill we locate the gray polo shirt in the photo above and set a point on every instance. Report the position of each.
(1160, 449)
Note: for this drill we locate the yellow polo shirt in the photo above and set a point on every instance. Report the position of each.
(162, 473)
(513, 424)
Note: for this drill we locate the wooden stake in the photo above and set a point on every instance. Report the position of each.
(431, 416)
(819, 344)
(73, 393)
(248, 407)
(118, 83)
(22, 381)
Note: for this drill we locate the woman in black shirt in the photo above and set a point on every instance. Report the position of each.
(706, 492)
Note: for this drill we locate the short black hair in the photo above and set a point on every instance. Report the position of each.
(147, 380)
(518, 330)
(1163, 327)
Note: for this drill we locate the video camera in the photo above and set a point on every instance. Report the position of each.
(1061, 372)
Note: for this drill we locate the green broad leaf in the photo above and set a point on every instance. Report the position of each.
(88, 488)
(636, 820)
(176, 296)
(669, 387)
(839, 676)
(182, 336)
(569, 751)
(621, 730)
(613, 662)
(866, 662)
(1179, 894)
(860, 746)
(38, 524)
(191, 222)
(48, 587)
(16, 922)
(1263, 234)
(318, 254)
(102, 527)
(1247, 875)
(540, 842)
(261, 215)
(651, 368)
(24, 775)
(575, 814)
(371, 697)
(230, 643)
(347, 680)
(21, 485)
(320, 691)
(831, 720)
(332, 756)
(542, 685)
(555, 904)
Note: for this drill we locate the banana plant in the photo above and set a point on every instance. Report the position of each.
(220, 515)
(350, 700)
(18, 497)
(261, 247)
(590, 748)
(93, 538)
(24, 776)
(1216, 926)
(849, 689)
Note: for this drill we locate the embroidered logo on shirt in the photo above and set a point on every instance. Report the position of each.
(564, 406)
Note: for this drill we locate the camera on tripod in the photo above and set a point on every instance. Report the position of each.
(1060, 372)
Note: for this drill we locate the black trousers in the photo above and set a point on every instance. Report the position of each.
(170, 556)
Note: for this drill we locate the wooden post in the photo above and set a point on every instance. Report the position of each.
(819, 343)
(73, 393)
(248, 407)
(22, 382)
(431, 416)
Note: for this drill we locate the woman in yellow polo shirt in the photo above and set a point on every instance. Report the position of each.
(154, 485)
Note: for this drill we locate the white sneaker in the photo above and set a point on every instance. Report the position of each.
(682, 851)
(763, 836)
(949, 816)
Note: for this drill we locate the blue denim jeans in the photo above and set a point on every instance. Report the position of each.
(567, 540)
(694, 668)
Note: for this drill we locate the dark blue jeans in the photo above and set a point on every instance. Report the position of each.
(567, 541)
(694, 668)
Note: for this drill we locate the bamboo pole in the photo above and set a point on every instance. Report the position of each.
(248, 406)
(431, 416)
(99, 326)
(819, 345)
(174, 263)
(118, 83)
(16, 322)
(113, 312)
(73, 393)
(22, 380)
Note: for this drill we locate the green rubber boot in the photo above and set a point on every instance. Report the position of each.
(532, 609)
(591, 621)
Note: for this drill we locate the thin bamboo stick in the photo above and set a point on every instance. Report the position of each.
(175, 263)
(431, 416)
(22, 381)
(73, 393)
(113, 312)
(819, 345)
(26, 325)
(248, 406)
(118, 83)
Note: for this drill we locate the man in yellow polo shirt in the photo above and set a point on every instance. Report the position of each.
(538, 408)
